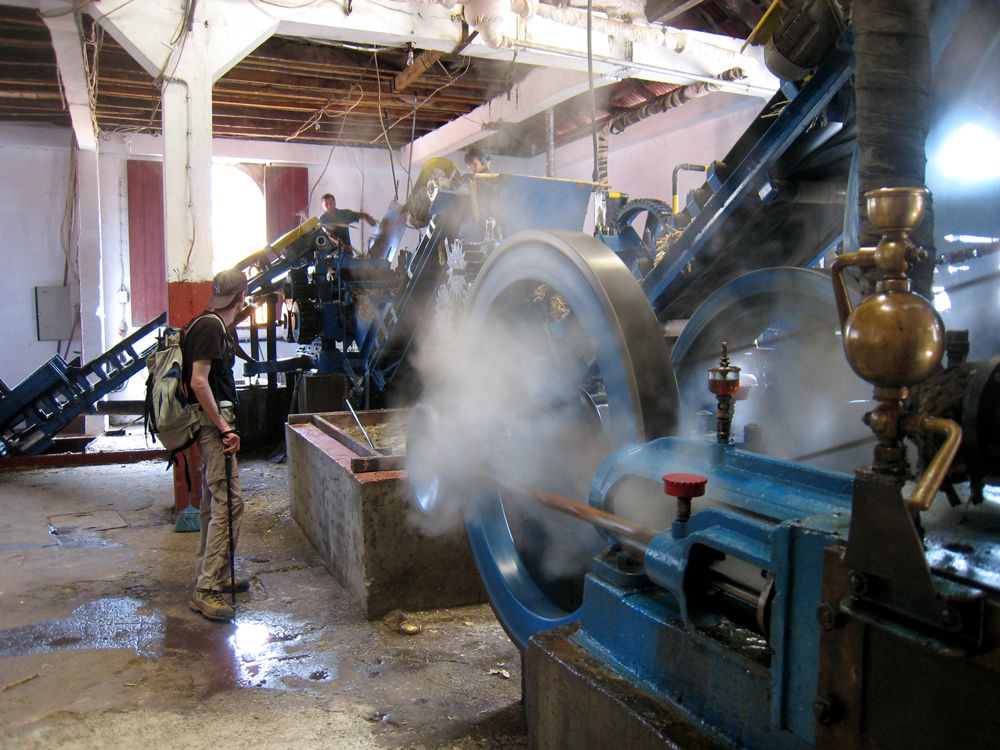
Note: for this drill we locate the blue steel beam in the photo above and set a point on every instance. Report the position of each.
(745, 179)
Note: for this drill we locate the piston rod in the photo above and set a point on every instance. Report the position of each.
(633, 537)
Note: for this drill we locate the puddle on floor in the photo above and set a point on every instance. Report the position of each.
(262, 650)
(74, 530)
(76, 539)
(104, 623)
(258, 650)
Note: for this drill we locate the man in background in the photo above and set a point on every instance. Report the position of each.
(337, 221)
(476, 161)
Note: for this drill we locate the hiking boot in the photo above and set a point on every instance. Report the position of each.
(242, 586)
(212, 605)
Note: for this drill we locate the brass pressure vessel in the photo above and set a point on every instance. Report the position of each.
(894, 338)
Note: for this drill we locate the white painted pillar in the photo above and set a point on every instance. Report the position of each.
(187, 174)
(188, 60)
(91, 270)
(68, 46)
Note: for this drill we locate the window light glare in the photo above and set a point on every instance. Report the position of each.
(942, 302)
(971, 239)
(970, 153)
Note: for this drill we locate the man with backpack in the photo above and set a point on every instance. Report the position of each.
(208, 373)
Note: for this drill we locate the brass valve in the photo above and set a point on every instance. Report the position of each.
(724, 383)
(894, 339)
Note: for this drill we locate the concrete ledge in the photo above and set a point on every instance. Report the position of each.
(356, 519)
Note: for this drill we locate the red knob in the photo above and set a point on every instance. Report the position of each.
(684, 485)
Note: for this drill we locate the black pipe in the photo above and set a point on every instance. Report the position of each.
(671, 99)
(892, 88)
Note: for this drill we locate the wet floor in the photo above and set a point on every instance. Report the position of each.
(98, 647)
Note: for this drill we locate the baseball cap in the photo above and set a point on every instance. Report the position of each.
(225, 286)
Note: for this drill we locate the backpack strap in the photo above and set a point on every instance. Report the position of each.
(206, 314)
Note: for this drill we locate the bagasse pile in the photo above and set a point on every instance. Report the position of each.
(388, 437)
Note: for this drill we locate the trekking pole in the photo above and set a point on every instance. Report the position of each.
(229, 511)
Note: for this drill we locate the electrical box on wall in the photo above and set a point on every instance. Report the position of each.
(55, 313)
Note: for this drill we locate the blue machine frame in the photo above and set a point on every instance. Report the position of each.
(45, 402)
(776, 516)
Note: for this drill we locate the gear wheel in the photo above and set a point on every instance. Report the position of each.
(645, 222)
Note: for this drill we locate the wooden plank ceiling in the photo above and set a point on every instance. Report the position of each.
(297, 90)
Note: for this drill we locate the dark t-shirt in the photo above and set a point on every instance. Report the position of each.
(207, 338)
(341, 216)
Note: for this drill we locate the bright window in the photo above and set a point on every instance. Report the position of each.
(239, 224)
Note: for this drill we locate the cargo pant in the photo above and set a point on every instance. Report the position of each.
(212, 565)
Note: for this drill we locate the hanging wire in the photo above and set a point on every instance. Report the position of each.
(385, 132)
(413, 137)
(343, 121)
(590, 86)
(176, 51)
(427, 99)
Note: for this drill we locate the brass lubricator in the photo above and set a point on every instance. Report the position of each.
(894, 339)
(724, 382)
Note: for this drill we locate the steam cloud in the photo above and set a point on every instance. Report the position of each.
(501, 407)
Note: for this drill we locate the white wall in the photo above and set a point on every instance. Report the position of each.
(361, 180)
(641, 160)
(34, 170)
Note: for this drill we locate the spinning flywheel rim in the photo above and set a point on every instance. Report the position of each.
(637, 375)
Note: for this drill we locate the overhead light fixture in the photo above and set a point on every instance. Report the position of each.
(409, 56)
(970, 153)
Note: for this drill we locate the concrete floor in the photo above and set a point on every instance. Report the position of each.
(99, 649)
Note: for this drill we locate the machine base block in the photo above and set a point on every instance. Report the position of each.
(572, 700)
(357, 514)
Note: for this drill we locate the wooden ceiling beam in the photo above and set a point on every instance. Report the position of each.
(9, 94)
(365, 108)
(421, 64)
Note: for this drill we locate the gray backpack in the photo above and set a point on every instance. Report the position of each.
(170, 414)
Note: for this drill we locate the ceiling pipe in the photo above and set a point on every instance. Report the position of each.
(670, 100)
(496, 22)
(643, 33)
(892, 88)
(494, 18)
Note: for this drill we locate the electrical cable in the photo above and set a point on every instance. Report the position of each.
(343, 122)
(91, 59)
(288, 6)
(413, 137)
(66, 230)
(176, 51)
(590, 85)
(430, 96)
(385, 133)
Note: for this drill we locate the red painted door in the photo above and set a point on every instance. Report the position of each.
(147, 250)
(286, 193)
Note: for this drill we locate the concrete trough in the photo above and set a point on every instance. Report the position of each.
(355, 507)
